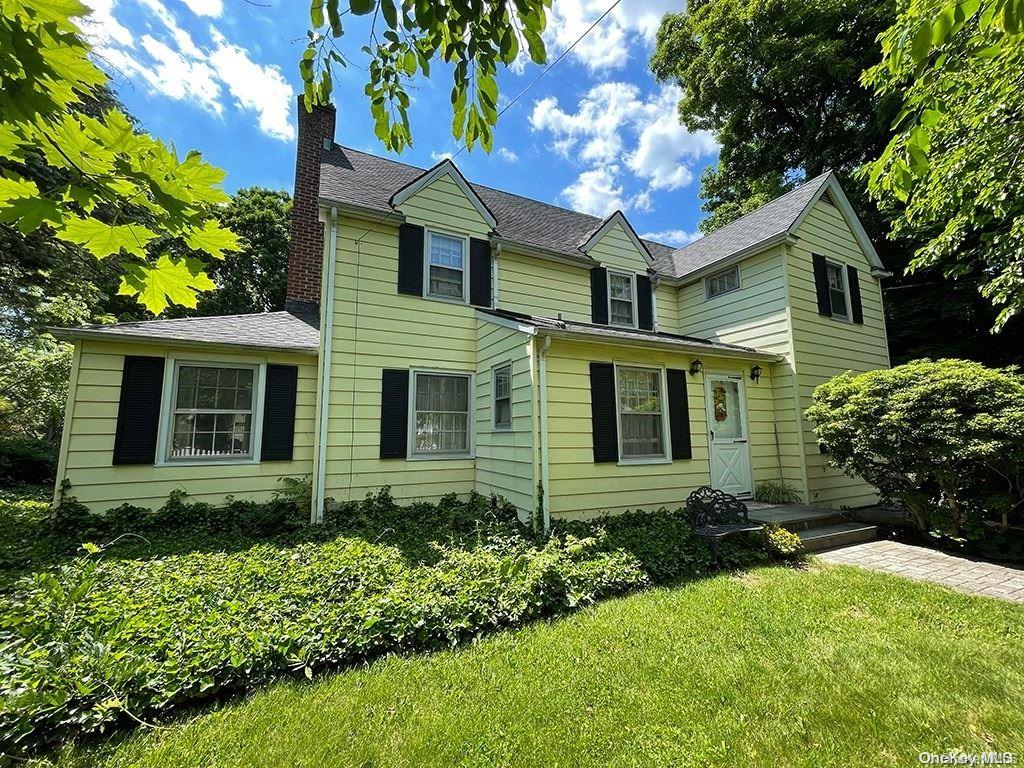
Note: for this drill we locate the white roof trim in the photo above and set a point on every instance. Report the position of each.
(507, 322)
(608, 223)
(843, 204)
(445, 168)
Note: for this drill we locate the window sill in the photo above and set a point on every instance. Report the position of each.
(501, 429)
(446, 300)
(841, 319)
(207, 463)
(642, 462)
(441, 457)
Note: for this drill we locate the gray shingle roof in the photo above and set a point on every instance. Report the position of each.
(354, 177)
(269, 330)
(627, 335)
(770, 220)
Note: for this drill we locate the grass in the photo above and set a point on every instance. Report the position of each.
(818, 667)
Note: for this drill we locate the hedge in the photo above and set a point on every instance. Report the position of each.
(237, 596)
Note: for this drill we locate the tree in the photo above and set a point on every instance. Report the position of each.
(955, 161)
(777, 82)
(33, 388)
(946, 438)
(472, 35)
(251, 279)
(118, 191)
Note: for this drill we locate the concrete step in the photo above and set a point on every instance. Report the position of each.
(800, 519)
(837, 535)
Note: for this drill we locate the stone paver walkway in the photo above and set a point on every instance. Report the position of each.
(924, 564)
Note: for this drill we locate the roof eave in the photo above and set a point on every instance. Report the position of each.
(360, 211)
(92, 334)
(537, 251)
(653, 344)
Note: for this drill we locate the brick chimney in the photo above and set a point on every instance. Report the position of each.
(305, 254)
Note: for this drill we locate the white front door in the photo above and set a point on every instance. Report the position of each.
(727, 434)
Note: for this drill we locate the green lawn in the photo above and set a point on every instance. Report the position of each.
(825, 666)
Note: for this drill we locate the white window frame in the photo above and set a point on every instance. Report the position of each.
(165, 430)
(707, 282)
(494, 398)
(844, 318)
(632, 283)
(470, 453)
(429, 233)
(666, 455)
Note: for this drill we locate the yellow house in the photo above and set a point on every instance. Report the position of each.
(443, 336)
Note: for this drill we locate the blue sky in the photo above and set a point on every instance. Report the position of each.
(596, 134)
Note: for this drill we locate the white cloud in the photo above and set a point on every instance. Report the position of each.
(437, 157)
(508, 155)
(615, 127)
(596, 192)
(608, 44)
(172, 64)
(674, 237)
(212, 8)
(256, 88)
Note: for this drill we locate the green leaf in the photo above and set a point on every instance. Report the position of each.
(316, 13)
(943, 24)
(922, 43)
(102, 239)
(213, 239)
(387, 8)
(168, 281)
(361, 7)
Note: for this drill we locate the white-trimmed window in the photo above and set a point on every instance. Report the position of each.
(722, 282)
(446, 266)
(838, 290)
(502, 392)
(440, 405)
(641, 413)
(622, 299)
(212, 414)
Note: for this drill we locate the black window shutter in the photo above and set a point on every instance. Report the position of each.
(645, 303)
(854, 282)
(479, 272)
(410, 259)
(394, 413)
(279, 395)
(138, 411)
(821, 285)
(602, 408)
(599, 295)
(679, 414)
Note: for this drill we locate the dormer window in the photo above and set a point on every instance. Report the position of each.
(837, 288)
(622, 299)
(446, 266)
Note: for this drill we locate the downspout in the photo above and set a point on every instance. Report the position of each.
(655, 282)
(495, 255)
(544, 476)
(327, 324)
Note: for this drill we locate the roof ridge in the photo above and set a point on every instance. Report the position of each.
(759, 208)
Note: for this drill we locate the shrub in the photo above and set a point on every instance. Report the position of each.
(27, 461)
(776, 492)
(945, 438)
(102, 639)
(782, 544)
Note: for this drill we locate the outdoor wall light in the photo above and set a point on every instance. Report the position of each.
(696, 366)
(755, 373)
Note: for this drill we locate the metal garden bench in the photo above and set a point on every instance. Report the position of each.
(716, 515)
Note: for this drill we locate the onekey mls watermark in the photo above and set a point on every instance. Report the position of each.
(961, 758)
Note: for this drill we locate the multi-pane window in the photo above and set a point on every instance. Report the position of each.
(722, 282)
(620, 303)
(837, 290)
(446, 267)
(212, 412)
(503, 397)
(641, 426)
(441, 413)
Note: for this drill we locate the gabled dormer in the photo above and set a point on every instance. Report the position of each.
(444, 249)
(621, 291)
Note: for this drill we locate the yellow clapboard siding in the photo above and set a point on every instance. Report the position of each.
(87, 451)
